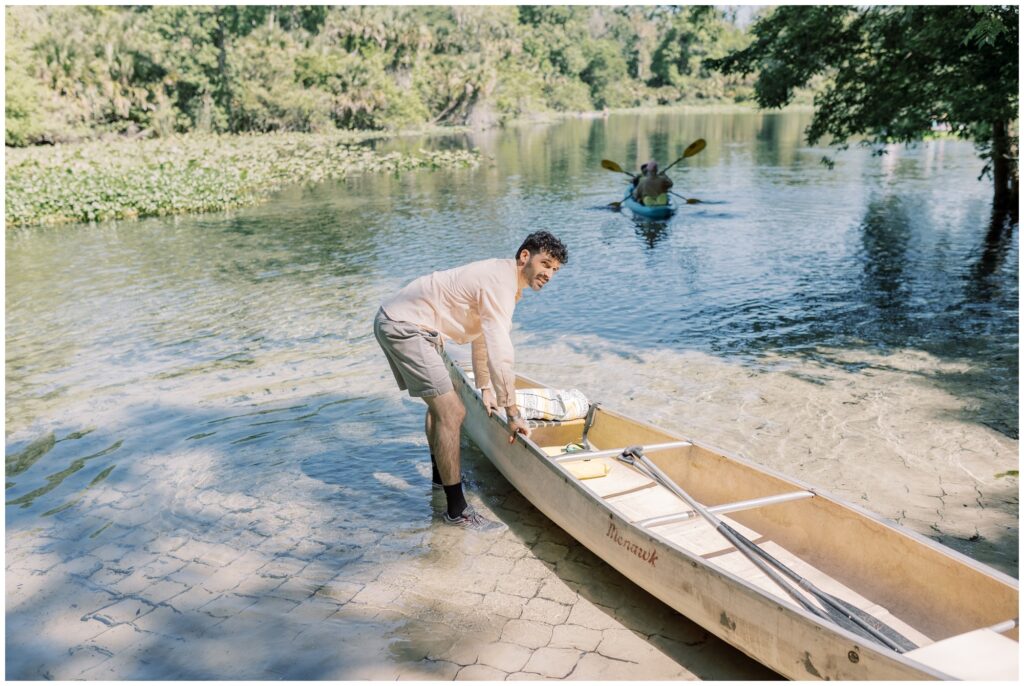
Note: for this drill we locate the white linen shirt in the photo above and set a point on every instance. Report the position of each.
(469, 304)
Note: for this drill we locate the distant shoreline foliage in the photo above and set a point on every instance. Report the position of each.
(81, 72)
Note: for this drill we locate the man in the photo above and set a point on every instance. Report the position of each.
(652, 188)
(474, 303)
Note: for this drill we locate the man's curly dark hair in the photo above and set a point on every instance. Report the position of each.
(542, 241)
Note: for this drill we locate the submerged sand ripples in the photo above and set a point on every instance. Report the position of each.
(882, 433)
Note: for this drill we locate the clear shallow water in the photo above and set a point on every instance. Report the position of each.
(233, 353)
(786, 256)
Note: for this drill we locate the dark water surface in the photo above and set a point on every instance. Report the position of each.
(237, 348)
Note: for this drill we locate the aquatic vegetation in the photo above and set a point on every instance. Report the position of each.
(18, 462)
(55, 480)
(98, 181)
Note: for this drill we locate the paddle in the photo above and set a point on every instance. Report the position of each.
(614, 166)
(635, 457)
(691, 150)
(689, 201)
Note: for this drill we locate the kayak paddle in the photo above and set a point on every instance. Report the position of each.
(691, 150)
(614, 166)
(689, 201)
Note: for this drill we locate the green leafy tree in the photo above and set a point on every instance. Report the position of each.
(606, 73)
(269, 95)
(77, 72)
(678, 60)
(891, 72)
(557, 37)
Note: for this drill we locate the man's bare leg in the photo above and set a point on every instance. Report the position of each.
(428, 428)
(443, 424)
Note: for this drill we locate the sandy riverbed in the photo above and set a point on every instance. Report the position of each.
(877, 430)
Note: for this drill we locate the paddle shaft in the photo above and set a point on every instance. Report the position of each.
(689, 201)
(665, 170)
(826, 598)
(750, 550)
(691, 150)
(723, 529)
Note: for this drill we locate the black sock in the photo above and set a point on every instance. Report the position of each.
(435, 475)
(456, 501)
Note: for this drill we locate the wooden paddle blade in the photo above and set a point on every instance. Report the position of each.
(694, 147)
(689, 201)
(691, 150)
(611, 166)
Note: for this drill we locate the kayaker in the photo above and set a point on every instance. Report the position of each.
(473, 303)
(652, 189)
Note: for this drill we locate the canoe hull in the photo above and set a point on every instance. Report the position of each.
(656, 212)
(783, 637)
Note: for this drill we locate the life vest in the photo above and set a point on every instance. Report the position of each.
(655, 200)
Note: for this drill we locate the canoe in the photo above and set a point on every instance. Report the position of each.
(656, 212)
(885, 602)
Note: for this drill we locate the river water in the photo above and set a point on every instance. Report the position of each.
(855, 327)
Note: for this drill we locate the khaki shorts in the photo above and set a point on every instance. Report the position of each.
(415, 356)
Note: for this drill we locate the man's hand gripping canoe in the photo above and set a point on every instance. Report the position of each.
(516, 423)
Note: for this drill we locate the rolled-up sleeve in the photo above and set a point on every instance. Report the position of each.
(495, 309)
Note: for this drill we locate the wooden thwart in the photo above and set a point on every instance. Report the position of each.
(727, 507)
(612, 452)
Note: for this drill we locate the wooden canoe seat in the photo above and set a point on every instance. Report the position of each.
(619, 480)
(653, 502)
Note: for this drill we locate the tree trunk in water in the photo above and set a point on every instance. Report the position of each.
(1004, 173)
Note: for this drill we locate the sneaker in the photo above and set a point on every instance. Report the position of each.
(471, 519)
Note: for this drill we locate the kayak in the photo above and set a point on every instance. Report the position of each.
(803, 582)
(648, 212)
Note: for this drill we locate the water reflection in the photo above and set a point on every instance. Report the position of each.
(997, 245)
(883, 258)
(650, 231)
